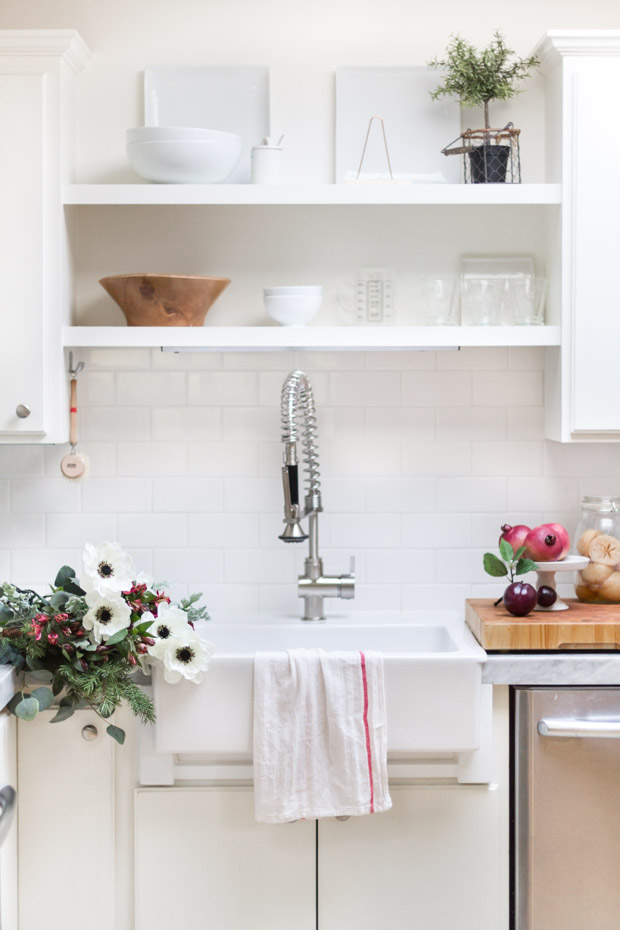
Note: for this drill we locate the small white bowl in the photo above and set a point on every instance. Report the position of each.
(305, 290)
(293, 309)
(176, 134)
(185, 161)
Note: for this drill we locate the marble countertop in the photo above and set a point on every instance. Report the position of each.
(552, 668)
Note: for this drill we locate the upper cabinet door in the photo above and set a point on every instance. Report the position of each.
(22, 125)
(595, 208)
(37, 71)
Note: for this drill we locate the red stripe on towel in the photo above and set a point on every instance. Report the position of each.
(367, 732)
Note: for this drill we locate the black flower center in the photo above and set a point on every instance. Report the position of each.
(163, 631)
(105, 569)
(104, 615)
(185, 654)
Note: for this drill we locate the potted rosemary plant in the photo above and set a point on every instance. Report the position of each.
(475, 78)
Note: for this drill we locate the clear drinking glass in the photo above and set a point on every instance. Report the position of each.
(481, 300)
(440, 300)
(528, 295)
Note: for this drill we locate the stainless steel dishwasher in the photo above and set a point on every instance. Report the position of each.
(566, 830)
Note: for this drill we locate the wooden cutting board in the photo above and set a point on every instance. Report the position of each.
(582, 626)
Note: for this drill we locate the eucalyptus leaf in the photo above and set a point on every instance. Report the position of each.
(59, 599)
(117, 637)
(72, 588)
(5, 613)
(41, 674)
(44, 696)
(506, 551)
(63, 714)
(17, 698)
(116, 733)
(525, 565)
(65, 574)
(493, 565)
(27, 709)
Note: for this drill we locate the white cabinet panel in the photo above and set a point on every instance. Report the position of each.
(22, 170)
(8, 854)
(595, 247)
(203, 861)
(65, 810)
(431, 863)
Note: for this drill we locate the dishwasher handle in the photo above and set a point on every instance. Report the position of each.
(608, 728)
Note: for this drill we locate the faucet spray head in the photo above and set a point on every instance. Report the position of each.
(293, 532)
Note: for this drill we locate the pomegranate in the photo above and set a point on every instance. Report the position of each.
(515, 535)
(547, 543)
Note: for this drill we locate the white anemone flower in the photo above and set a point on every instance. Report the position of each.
(107, 569)
(187, 657)
(105, 616)
(170, 623)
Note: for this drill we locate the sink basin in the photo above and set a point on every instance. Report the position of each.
(432, 683)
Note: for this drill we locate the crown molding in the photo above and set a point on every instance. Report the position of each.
(67, 44)
(563, 43)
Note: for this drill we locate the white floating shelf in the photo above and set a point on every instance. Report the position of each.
(311, 194)
(265, 338)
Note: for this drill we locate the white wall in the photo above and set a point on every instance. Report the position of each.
(424, 456)
(302, 42)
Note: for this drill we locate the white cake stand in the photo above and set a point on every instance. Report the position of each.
(546, 575)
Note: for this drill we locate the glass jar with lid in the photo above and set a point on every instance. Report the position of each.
(598, 537)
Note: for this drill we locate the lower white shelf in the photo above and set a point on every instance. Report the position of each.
(324, 338)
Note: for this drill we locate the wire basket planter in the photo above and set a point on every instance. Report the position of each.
(490, 156)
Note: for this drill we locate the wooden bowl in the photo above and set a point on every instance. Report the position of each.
(164, 299)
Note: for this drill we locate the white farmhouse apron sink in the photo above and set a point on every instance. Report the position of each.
(432, 682)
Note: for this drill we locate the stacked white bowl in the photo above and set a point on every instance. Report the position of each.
(175, 155)
(293, 305)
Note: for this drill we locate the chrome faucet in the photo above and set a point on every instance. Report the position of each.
(299, 417)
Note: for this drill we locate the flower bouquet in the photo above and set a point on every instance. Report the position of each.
(84, 641)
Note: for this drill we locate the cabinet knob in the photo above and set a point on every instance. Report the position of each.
(23, 411)
(90, 732)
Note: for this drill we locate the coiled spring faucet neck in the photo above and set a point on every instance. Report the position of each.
(298, 418)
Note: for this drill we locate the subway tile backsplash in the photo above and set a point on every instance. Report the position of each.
(423, 456)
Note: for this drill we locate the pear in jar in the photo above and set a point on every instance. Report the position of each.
(583, 545)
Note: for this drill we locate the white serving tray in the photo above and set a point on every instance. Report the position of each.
(220, 97)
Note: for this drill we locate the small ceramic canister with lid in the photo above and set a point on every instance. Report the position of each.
(267, 163)
(598, 538)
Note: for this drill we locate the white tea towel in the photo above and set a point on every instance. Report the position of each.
(320, 742)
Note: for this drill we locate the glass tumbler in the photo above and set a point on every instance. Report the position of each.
(481, 300)
(528, 295)
(439, 296)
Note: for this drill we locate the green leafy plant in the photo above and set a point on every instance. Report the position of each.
(510, 565)
(475, 77)
(82, 643)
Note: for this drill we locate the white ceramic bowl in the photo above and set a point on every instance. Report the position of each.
(175, 134)
(187, 161)
(305, 290)
(292, 309)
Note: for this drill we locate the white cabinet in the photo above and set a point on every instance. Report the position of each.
(431, 863)
(65, 795)
(203, 861)
(8, 853)
(37, 68)
(583, 376)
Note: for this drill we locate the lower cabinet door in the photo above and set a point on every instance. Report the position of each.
(432, 862)
(65, 813)
(203, 862)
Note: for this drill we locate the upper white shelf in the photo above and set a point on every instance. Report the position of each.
(265, 338)
(312, 194)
